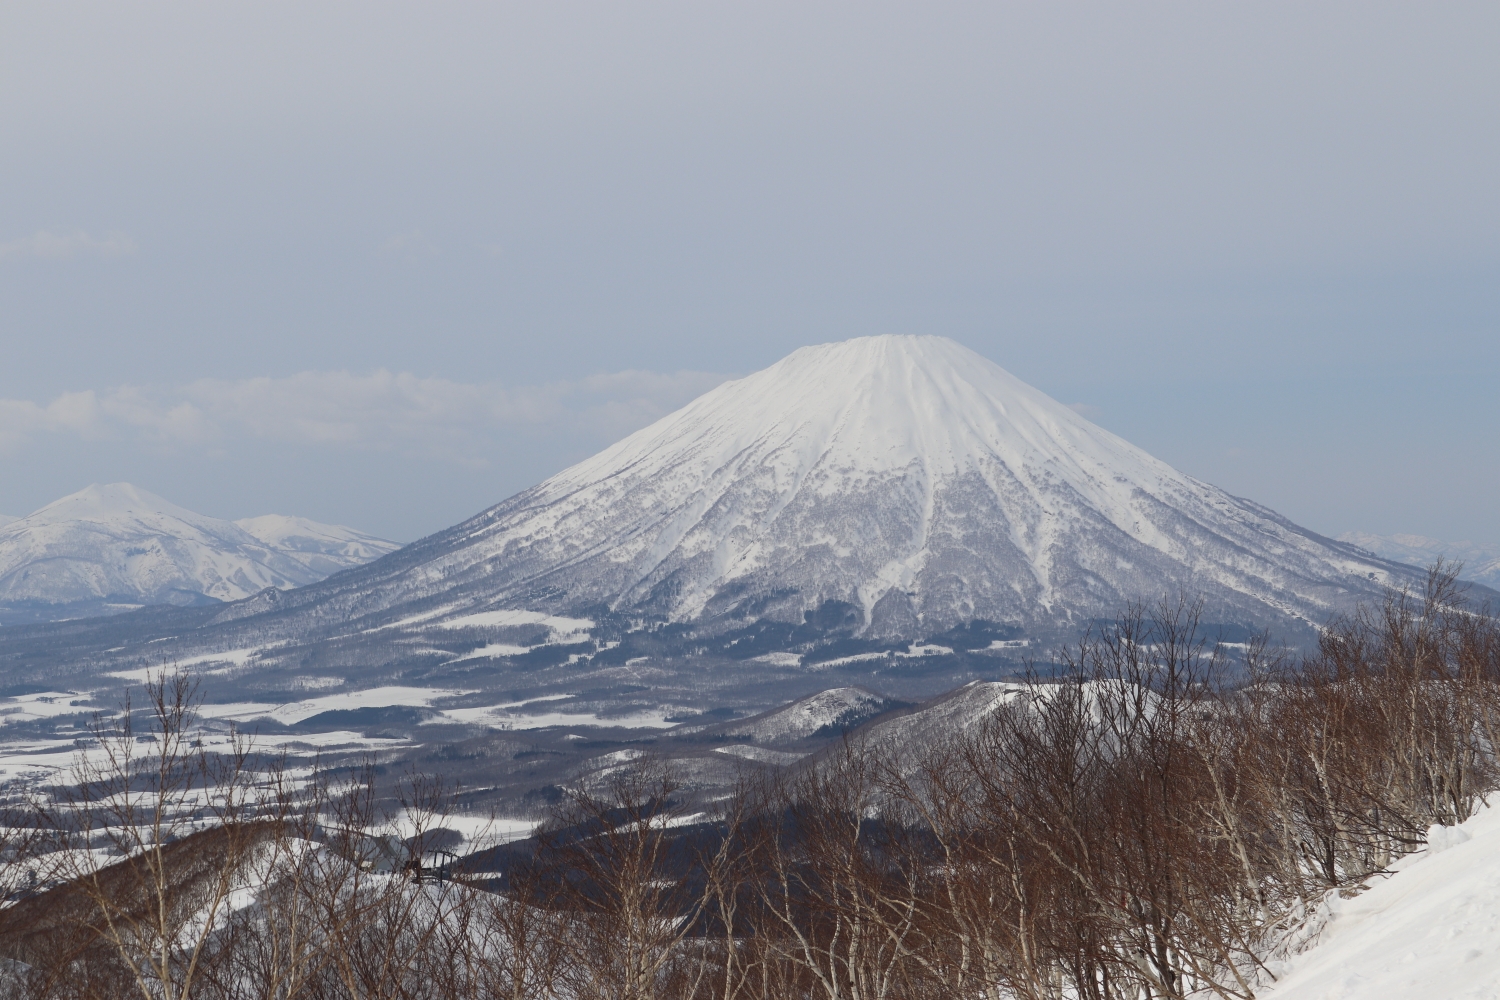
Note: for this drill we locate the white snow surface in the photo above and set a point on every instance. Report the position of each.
(120, 541)
(906, 475)
(1430, 930)
(781, 659)
(514, 718)
(42, 705)
(561, 629)
(802, 718)
(290, 713)
(762, 755)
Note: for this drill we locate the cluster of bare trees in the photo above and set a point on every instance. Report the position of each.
(1152, 820)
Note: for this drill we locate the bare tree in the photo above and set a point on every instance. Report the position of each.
(153, 832)
(844, 881)
(623, 878)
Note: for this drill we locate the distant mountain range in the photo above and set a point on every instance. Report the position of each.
(111, 548)
(1481, 562)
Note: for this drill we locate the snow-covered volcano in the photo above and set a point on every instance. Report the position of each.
(908, 477)
(119, 543)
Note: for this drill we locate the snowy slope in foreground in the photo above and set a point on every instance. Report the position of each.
(120, 543)
(1431, 930)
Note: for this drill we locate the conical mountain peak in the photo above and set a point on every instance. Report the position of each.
(908, 478)
(102, 501)
(925, 406)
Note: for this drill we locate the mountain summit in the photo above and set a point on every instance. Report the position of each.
(908, 480)
(109, 547)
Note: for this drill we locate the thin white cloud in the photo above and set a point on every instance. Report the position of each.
(411, 246)
(377, 411)
(44, 245)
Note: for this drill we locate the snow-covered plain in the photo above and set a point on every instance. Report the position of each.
(1430, 931)
(491, 619)
(533, 713)
(781, 659)
(762, 755)
(501, 717)
(218, 662)
(478, 830)
(386, 696)
(42, 705)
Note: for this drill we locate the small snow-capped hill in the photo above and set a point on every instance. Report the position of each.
(826, 713)
(106, 548)
(324, 549)
(906, 477)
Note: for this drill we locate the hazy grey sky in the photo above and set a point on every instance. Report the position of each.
(387, 264)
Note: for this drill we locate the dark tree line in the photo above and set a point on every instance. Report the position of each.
(1152, 822)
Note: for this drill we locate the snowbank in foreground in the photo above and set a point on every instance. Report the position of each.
(1430, 931)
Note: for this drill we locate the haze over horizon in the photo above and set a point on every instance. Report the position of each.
(386, 270)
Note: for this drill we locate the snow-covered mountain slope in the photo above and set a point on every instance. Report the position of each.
(1481, 562)
(944, 718)
(6, 519)
(1430, 930)
(909, 477)
(121, 544)
(823, 714)
(324, 549)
